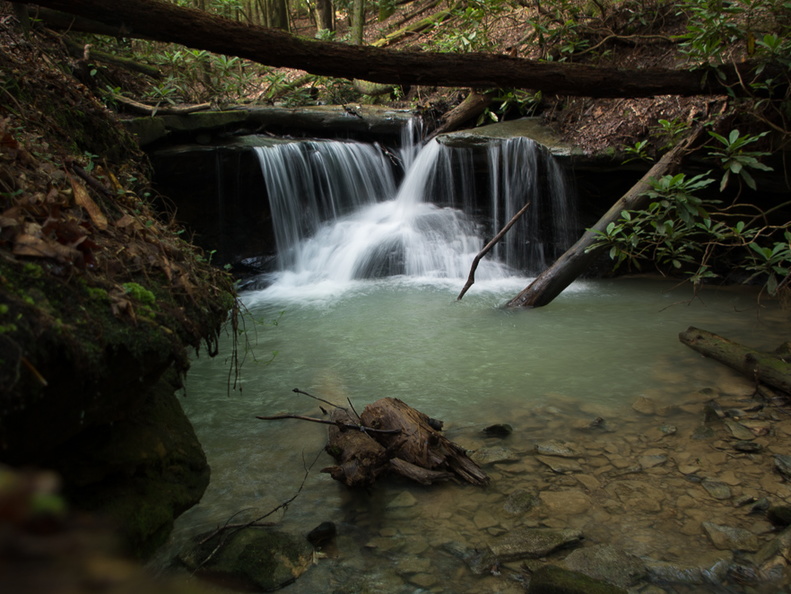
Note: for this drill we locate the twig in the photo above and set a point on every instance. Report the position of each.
(298, 391)
(489, 246)
(256, 522)
(325, 422)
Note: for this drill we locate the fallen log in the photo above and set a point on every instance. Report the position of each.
(361, 459)
(772, 369)
(420, 442)
(390, 437)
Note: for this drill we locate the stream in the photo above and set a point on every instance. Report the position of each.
(549, 372)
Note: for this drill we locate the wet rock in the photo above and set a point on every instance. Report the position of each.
(779, 515)
(532, 543)
(738, 430)
(748, 447)
(716, 489)
(322, 534)
(605, 562)
(255, 557)
(731, 538)
(676, 573)
(557, 447)
(712, 412)
(652, 460)
(560, 465)
(403, 499)
(597, 424)
(783, 465)
(668, 429)
(570, 502)
(520, 501)
(703, 431)
(637, 495)
(498, 430)
(644, 405)
(551, 579)
(760, 506)
(776, 552)
(485, 456)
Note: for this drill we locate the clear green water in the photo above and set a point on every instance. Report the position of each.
(593, 351)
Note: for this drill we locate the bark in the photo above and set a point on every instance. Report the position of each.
(576, 260)
(163, 21)
(361, 459)
(358, 21)
(419, 442)
(772, 369)
(325, 15)
(473, 105)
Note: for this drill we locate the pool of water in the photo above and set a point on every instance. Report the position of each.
(591, 353)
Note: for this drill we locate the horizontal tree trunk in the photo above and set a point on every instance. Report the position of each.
(164, 21)
(772, 369)
(576, 260)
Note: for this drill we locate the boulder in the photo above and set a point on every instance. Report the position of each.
(253, 557)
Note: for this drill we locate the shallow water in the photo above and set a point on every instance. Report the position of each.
(592, 353)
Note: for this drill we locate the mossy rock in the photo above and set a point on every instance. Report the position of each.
(142, 471)
(551, 579)
(254, 557)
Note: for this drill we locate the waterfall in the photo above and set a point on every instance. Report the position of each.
(338, 216)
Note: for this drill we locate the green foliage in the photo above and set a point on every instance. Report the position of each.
(680, 233)
(638, 152)
(735, 159)
(773, 262)
(671, 131)
(470, 30)
(512, 102)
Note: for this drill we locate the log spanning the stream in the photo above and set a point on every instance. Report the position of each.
(772, 369)
(391, 437)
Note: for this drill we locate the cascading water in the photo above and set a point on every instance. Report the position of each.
(338, 217)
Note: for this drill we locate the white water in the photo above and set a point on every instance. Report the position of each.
(338, 217)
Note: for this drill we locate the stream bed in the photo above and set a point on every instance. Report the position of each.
(600, 370)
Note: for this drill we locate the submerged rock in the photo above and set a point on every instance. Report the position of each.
(557, 447)
(552, 579)
(532, 543)
(253, 557)
(731, 538)
(605, 562)
(498, 430)
(520, 501)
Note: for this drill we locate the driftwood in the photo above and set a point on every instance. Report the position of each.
(420, 442)
(772, 369)
(390, 437)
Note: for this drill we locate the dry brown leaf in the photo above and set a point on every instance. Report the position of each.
(83, 199)
(128, 221)
(31, 245)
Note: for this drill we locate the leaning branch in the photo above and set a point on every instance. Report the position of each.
(168, 22)
(489, 246)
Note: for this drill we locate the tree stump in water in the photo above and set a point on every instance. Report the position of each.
(394, 437)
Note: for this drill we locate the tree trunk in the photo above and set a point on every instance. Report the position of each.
(772, 369)
(163, 21)
(325, 15)
(550, 283)
(358, 21)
